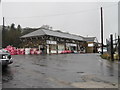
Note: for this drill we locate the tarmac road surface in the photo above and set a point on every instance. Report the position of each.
(60, 71)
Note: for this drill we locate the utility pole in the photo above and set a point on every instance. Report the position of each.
(3, 24)
(119, 47)
(101, 30)
(3, 29)
(115, 38)
(112, 51)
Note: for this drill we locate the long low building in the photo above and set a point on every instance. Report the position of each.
(50, 41)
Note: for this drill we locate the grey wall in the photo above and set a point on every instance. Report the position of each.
(119, 18)
(0, 36)
(0, 24)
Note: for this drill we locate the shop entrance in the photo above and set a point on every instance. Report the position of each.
(71, 46)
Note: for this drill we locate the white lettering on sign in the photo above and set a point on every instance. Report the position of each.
(51, 42)
(70, 44)
(90, 45)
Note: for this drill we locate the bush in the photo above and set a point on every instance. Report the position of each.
(116, 57)
(106, 56)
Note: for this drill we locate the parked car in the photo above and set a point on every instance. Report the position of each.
(104, 50)
(5, 57)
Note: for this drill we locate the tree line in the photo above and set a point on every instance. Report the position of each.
(11, 34)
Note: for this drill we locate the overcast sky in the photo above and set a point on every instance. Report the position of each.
(82, 18)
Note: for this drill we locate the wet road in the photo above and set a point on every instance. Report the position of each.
(60, 71)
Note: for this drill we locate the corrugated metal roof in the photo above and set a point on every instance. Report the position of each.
(35, 33)
(90, 39)
(53, 33)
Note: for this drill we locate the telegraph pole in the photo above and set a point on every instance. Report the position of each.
(3, 24)
(119, 47)
(3, 29)
(112, 51)
(101, 30)
(115, 38)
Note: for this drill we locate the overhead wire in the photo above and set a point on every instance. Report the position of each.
(62, 14)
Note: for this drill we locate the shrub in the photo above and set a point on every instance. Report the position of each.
(116, 57)
(106, 56)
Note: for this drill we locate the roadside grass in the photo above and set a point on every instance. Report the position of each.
(105, 56)
(108, 56)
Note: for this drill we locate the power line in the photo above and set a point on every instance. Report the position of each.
(62, 14)
(70, 13)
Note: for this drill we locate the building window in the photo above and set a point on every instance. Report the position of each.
(53, 47)
(61, 47)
